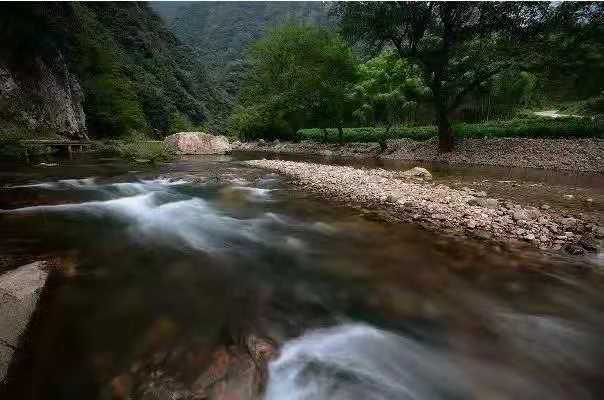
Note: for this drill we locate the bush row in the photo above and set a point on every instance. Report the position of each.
(529, 128)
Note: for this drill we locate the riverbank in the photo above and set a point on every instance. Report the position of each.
(581, 155)
(463, 212)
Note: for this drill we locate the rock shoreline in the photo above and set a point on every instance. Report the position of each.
(581, 155)
(442, 208)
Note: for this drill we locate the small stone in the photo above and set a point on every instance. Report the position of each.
(568, 222)
(589, 200)
(480, 194)
(520, 216)
(545, 206)
(491, 203)
(530, 236)
(484, 235)
(568, 196)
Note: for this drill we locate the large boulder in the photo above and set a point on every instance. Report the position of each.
(19, 293)
(197, 143)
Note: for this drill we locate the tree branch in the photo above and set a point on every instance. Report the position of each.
(473, 85)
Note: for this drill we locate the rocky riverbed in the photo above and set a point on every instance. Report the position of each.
(410, 196)
(586, 155)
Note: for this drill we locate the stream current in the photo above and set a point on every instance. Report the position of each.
(201, 250)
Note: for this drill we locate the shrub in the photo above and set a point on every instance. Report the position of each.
(136, 147)
(529, 128)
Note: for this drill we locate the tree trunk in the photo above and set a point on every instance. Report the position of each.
(445, 132)
(388, 126)
(340, 133)
(324, 135)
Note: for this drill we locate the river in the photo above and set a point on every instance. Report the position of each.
(183, 257)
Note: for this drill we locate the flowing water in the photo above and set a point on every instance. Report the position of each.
(195, 252)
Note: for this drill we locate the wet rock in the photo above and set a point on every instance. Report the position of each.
(418, 172)
(237, 372)
(589, 244)
(19, 293)
(121, 387)
(483, 235)
(574, 249)
(197, 143)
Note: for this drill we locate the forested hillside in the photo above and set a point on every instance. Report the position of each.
(221, 32)
(135, 75)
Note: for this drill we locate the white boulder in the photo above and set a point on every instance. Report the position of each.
(197, 143)
(19, 293)
(418, 172)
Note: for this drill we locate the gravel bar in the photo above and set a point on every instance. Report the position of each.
(440, 207)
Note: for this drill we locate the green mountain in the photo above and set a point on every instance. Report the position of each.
(115, 63)
(220, 32)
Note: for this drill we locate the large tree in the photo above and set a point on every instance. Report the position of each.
(457, 45)
(298, 75)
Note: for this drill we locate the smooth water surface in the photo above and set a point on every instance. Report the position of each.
(200, 251)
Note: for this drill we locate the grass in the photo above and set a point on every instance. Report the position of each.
(526, 127)
(152, 151)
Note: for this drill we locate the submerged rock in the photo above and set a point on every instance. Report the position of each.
(233, 371)
(19, 293)
(197, 143)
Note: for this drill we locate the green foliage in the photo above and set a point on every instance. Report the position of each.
(179, 123)
(457, 45)
(134, 73)
(112, 108)
(388, 90)
(571, 57)
(298, 75)
(529, 128)
(221, 32)
(136, 148)
(501, 96)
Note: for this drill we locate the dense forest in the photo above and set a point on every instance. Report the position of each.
(394, 66)
(273, 70)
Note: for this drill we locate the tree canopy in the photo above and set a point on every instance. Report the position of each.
(298, 75)
(457, 45)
